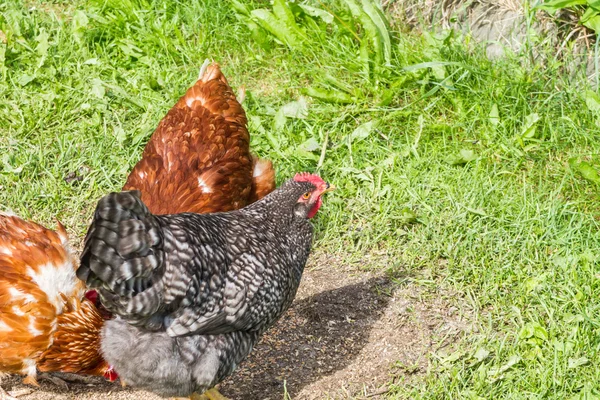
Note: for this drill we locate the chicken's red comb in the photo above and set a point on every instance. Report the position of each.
(308, 177)
(92, 296)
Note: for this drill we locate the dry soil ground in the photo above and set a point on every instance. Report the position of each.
(349, 334)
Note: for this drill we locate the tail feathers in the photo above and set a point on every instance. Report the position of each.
(203, 68)
(123, 251)
(263, 178)
(209, 71)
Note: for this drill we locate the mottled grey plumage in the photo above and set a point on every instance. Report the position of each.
(193, 292)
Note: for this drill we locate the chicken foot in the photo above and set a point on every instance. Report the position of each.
(30, 380)
(211, 394)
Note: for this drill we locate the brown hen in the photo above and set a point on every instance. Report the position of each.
(40, 301)
(198, 158)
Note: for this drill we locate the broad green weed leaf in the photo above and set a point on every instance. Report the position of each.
(577, 362)
(587, 393)
(317, 12)
(42, 46)
(439, 72)
(585, 170)
(592, 101)
(595, 4)
(451, 358)
(570, 318)
(338, 84)
(528, 132)
(407, 216)
(592, 20)
(25, 79)
(593, 23)
(120, 134)
(98, 88)
(477, 211)
(310, 145)
(79, 23)
(364, 58)
(494, 116)
(382, 26)
(369, 27)
(117, 90)
(463, 157)
(275, 27)
(296, 109)
(481, 354)
(564, 347)
(329, 96)
(240, 8)
(272, 139)
(471, 395)
(283, 12)
(255, 123)
(589, 13)
(13, 19)
(534, 283)
(530, 125)
(512, 361)
(387, 95)
(362, 132)
(8, 168)
(555, 5)
(534, 332)
(129, 49)
(259, 35)
(279, 120)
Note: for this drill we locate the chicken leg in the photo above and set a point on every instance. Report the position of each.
(211, 394)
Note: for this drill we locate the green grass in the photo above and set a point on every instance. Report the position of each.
(456, 168)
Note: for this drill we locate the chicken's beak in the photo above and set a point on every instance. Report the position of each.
(328, 188)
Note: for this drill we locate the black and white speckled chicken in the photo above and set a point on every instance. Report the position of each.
(194, 292)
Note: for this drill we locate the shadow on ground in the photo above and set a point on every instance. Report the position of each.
(317, 336)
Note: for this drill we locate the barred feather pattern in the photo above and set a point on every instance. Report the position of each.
(192, 292)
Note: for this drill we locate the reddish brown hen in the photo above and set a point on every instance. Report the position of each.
(41, 303)
(198, 158)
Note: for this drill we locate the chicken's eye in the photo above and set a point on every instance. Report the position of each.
(306, 196)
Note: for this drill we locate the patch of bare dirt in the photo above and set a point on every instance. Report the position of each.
(348, 334)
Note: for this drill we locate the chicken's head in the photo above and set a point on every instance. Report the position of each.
(310, 201)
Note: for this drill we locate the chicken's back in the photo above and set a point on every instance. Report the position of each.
(37, 272)
(198, 159)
